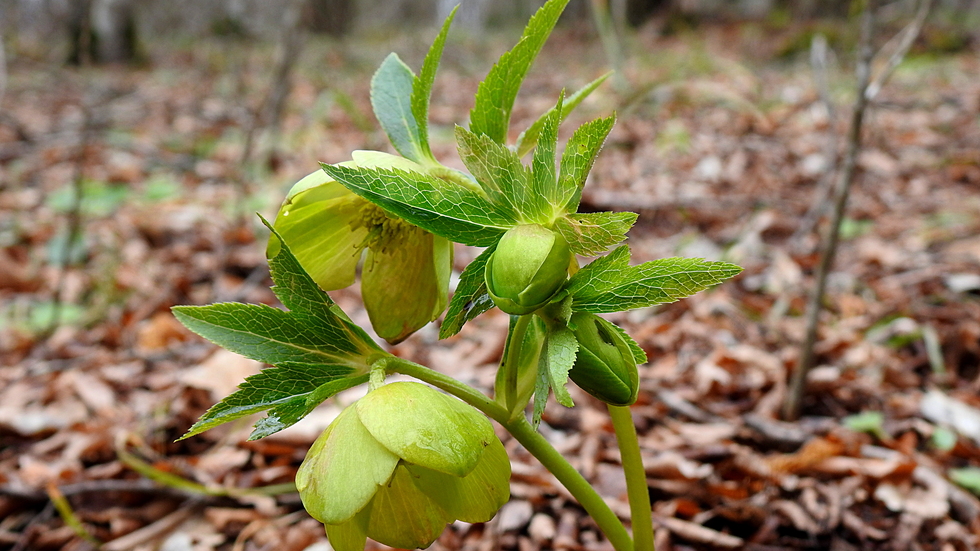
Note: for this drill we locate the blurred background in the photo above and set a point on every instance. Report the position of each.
(138, 138)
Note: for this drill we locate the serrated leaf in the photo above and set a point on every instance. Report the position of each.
(501, 175)
(269, 335)
(495, 95)
(422, 84)
(593, 233)
(391, 99)
(544, 183)
(283, 389)
(580, 153)
(447, 210)
(610, 284)
(558, 358)
(470, 298)
(529, 138)
(315, 347)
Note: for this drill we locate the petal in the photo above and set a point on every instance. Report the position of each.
(317, 225)
(475, 497)
(405, 286)
(425, 427)
(343, 470)
(404, 517)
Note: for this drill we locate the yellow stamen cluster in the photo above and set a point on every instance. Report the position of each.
(384, 231)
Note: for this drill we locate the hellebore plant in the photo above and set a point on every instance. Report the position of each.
(405, 460)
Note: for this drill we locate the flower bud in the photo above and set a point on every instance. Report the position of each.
(604, 366)
(527, 269)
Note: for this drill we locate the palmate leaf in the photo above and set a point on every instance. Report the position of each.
(447, 210)
(470, 298)
(495, 96)
(593, 233)
(315, 347)
(610, 284)
(529, 138)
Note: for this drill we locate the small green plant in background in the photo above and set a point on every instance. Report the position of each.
(405, 460)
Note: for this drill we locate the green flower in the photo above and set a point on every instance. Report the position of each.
(405, 278)
(399, 465)
(604, 366)
(528, 267)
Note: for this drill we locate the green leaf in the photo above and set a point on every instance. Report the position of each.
(499, 172)
(580, 153)
(284, 390)
(593, 233)
(470, 298)
(315, 347)
(495, 95)
(391, 98)
(422, 85)
(447, 210)
(544, 184)
(529, 138)
(558, 359)
(610, 284)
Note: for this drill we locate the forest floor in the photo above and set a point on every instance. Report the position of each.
(721, 145)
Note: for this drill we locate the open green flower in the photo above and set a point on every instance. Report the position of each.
(399, 465)
(405, 278)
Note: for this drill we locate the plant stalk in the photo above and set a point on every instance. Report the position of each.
(636, 478)
(533, 442)
(511, 363)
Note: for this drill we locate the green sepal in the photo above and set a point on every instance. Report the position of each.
(496, 93)
(343, 470)
(475, 497)
(610, 284)
(426, 427)
(350, 535)
(403, 515)
(528, 268)
(470, 299)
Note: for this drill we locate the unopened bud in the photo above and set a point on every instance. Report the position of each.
(527, 269)
(604, 366)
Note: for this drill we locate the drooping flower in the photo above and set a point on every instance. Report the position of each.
(400, 464)
(405, 277)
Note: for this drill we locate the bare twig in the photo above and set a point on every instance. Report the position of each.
(818, 62)
(791, 407)
(908, 36)
(866, 92)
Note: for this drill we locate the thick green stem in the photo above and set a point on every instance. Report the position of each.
(636, 478)
(511, 363)
(573, 481)
(536, 444)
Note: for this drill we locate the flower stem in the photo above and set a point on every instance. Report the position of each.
(636, 478)
(511, 363)
(586, 495)
(536, 444)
